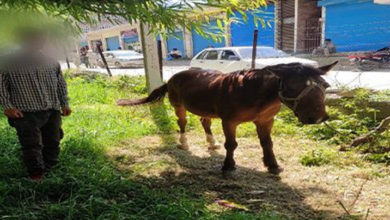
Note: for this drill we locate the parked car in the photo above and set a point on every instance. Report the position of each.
(229, 59)
(122, 58)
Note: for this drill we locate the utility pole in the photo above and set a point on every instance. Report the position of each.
(151, 61)
(254, 48)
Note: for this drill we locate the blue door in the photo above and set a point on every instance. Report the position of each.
(201, 43)
(357, 25)
(176, 41)
(112, 43)
(242, 33)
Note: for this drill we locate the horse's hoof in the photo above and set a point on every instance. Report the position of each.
(275, 170)
(228, 172)
(183, 146)
(214, 147)
(228, 168)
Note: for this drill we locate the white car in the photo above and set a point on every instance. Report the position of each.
(122, 58)
(229, 59)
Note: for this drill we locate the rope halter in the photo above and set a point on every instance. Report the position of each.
(311, 85)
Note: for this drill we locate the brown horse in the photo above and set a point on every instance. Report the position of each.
(245, 96)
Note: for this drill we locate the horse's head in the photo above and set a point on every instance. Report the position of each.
(302, 89)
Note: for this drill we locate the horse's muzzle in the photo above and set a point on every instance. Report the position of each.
(323, 119)
(312, 120)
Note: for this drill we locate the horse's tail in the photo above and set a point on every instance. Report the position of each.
(155, 96)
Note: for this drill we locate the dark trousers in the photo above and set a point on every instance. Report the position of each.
(39, 134)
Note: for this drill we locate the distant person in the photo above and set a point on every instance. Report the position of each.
(175, 54)
(33, 94)
(84, 59)
(326, 49)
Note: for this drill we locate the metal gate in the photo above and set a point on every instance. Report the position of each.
(312, 39)
(286, 32)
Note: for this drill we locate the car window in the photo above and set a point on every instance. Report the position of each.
(212, 55)
(262, 52)
(109, 55)
(202, 55)
(226, 54)
(127, 54)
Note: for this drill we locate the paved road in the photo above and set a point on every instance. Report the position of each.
(372, 80)
(168, 71)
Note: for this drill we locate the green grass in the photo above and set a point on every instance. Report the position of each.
(87, 184)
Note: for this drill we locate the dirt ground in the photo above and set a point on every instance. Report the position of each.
(299, 192)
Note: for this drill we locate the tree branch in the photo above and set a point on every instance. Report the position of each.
(370, 135)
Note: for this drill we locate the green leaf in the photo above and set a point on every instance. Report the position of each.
(219, 23)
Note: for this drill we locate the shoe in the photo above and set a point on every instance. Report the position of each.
(36, 177)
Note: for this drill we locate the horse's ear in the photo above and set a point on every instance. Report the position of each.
(327, 68)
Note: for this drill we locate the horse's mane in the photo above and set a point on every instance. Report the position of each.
(292, 68)
(297, 68)
(237, 77)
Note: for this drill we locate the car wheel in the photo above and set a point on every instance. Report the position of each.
(118, 65)
(100, 64)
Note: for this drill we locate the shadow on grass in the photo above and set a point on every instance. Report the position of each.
(259, 191)
(164, 122)
(88, 185)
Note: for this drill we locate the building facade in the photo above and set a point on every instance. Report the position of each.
(298, 25)
(357, 25)
(352, 25)
(189, 43)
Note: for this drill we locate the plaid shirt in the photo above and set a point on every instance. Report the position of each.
(32, 83)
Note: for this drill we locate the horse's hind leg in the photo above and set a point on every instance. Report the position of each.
(206, 123)
(182, 121)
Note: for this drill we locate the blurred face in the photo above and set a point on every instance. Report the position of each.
(34, 43)
(311, 108)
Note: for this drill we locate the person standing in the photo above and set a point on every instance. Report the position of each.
(327, 48)
(84, 59)
(175, 53)
(33, 94)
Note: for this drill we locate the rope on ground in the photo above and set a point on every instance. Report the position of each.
(332, 128)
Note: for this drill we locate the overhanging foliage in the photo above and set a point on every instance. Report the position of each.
(163, 16)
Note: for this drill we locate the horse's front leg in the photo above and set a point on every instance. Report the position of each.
(229, 129)
(264, 134)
